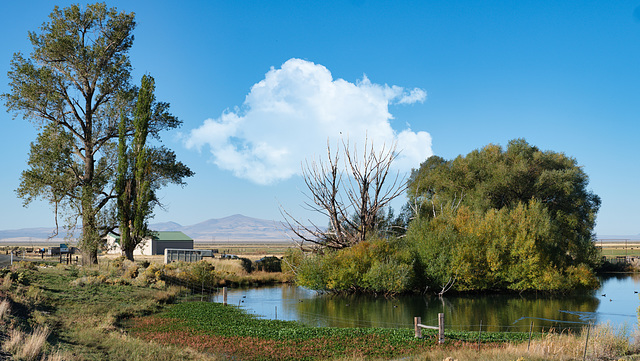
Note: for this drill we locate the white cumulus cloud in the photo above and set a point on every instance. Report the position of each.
(289, 115)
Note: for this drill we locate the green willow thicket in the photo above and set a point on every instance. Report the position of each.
(517, 219)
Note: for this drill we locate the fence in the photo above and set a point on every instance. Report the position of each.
(185, 255)
(418, 326)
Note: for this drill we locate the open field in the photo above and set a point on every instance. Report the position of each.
(615, 249)
(248, 249)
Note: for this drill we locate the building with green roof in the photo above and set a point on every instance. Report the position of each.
(154, 245)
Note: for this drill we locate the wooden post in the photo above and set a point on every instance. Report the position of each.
(530, 332)
(224, 296)
(276, 312)
(479, 334)
(586, 343)
(441, 328)
(418, 330)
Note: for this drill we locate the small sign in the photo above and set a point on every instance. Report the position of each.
(63, 248)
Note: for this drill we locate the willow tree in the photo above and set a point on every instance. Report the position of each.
(522, 177)
(73, 86)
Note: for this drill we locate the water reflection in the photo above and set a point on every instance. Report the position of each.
(615, 302)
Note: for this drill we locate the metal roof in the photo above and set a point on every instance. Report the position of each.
(170, 236)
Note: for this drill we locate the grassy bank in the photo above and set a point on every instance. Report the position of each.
(124, 311)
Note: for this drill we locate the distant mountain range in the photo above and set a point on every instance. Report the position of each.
(232, 228)
(236, 227)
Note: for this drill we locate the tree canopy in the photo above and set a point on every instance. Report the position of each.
(507, 218)
(74, 86)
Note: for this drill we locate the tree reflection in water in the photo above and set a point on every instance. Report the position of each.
(496, 312)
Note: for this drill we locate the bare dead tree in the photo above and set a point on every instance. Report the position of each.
(350, 194)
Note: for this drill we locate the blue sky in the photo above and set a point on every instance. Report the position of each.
(444, 78)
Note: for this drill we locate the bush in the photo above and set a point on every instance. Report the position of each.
(24, 277)
(505, 249)
(376, 265)
(247, 265)
(292, 260)
(269, 264)
(200, 273)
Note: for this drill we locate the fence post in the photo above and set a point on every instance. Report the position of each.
(586, 343)
(530, 332)
(440, 328)
(418, 330)
(224, 296)
(479, 334)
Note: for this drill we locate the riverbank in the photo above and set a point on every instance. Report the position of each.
(115, 313)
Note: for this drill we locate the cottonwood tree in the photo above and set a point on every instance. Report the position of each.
(74, 86)
(351, 192)
(142, 169)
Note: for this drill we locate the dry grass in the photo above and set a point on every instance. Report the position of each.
(34, 343)
(605, 343)
(14, 341)
(5, 308)
(27, 347)
(231, 266)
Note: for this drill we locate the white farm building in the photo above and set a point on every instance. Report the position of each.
(154, 245)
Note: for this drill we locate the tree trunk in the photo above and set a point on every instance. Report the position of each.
(128, 254)
(89, 257)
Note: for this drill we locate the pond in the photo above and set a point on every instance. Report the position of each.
(616, 302)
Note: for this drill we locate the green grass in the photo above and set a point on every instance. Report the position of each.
(211, 326)
(83, 317)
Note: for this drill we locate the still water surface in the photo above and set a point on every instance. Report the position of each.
(616, 302)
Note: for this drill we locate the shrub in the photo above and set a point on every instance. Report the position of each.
(200, 273)
(291, 260)
(247, 265)
(24, 277)
(130, 270)
(118, 263)
(269, 264)
(376, 265)
(145, 264)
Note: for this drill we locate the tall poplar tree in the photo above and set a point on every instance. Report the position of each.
(142, 169)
